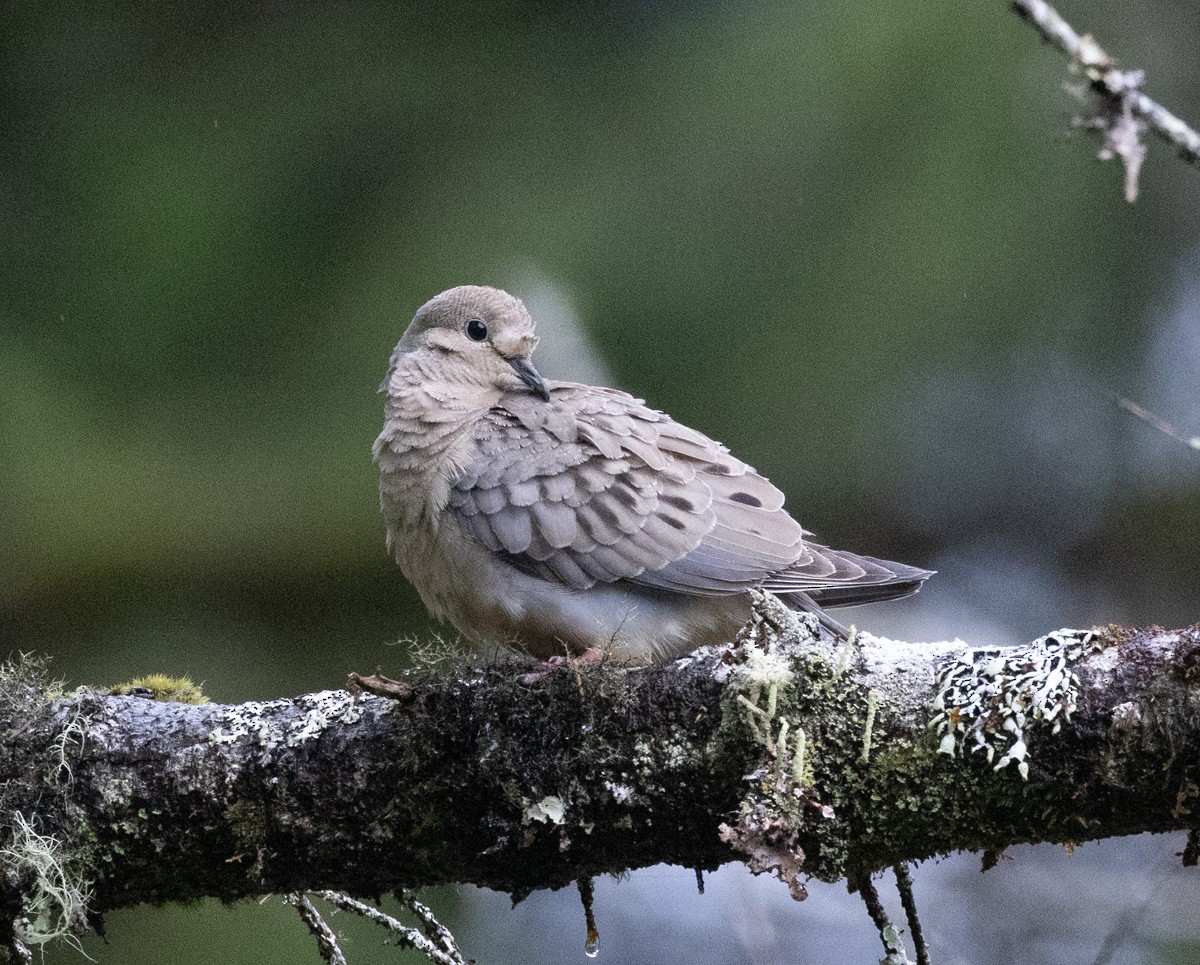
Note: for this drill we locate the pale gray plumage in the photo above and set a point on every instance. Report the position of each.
(554, 517)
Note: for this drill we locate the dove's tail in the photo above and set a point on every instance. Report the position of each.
(888, 581)
(854, 595)
(832, 577)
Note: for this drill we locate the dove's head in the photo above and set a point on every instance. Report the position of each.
(476, 337)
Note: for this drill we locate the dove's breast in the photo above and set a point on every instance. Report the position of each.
(491, 602)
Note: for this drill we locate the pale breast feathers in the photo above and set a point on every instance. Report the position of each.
(595, 487)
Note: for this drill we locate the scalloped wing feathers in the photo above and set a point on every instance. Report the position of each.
(595, 487)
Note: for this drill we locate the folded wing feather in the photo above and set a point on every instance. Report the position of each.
(595, 487)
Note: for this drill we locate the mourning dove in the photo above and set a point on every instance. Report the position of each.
(559, 518)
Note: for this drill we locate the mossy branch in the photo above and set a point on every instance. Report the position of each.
(783, 751)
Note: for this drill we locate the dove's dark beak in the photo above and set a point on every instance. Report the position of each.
(530, 376)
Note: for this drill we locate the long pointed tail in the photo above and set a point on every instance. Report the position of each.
(901, 581)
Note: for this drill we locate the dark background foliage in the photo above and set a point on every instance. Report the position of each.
(851, 240)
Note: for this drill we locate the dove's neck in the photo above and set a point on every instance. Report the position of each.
(427, 440)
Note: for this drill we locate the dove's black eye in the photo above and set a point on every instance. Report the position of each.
(476, 330)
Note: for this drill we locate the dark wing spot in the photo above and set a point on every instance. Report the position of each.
(672, 521)
(746, 498)
(679, 502)
(608, 514)
(625, 495)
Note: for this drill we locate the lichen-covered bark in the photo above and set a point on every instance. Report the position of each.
(785, 751)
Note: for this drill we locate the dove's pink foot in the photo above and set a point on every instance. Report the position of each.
(590, 655)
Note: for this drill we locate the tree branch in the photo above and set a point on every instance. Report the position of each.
(783, 751)
(1123, 110)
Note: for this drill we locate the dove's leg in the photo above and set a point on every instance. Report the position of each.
(543, 667)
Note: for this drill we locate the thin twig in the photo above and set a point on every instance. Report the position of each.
(587, 894)
(434, 930)
(1162, 425)
(889, 934)
(407, 937)
(1126, 925)
(1118, 89)
(1191, 850)
(327, 943)
(904, 885)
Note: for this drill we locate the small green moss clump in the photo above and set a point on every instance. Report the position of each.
(160, 686)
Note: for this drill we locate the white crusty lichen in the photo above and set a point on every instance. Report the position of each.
(901, 671)
(273, 730)
(989, 698)
(331, 706)
(549, 810)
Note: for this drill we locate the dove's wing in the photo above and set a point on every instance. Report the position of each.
(594, 487)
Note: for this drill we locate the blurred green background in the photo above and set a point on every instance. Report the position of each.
(853, 241)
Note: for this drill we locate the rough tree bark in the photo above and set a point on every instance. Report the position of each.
(783, 750)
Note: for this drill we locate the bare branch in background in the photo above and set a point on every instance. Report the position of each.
(1123, 112)
(437, 944)
(1157, 422)
(904, 885)
(889, 934)
(327, 943)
